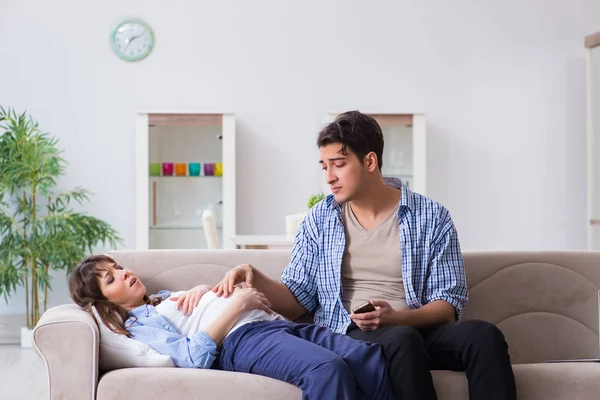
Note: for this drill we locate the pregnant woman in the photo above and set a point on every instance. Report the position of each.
(238, 333)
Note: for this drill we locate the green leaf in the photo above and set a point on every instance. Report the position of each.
(314, 199)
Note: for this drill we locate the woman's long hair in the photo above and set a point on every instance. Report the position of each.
(84, 287)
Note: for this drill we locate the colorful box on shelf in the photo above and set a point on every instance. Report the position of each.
(181, 169)
(219, 169)
(154, 169)
(167, 168)
(194, 168)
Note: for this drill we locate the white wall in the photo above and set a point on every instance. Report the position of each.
(502, 84)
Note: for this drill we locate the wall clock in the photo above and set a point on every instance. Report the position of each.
(132, 40)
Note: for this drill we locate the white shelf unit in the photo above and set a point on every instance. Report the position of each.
(169, 208)
(404, 151)
(592, 43)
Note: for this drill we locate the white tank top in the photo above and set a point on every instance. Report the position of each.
(209, 308)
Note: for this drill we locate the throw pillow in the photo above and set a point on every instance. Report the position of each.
(119, 351)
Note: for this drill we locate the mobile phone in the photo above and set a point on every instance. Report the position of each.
(363, 308)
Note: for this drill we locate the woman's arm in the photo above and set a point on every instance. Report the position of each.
(196, 351)
(245, 300)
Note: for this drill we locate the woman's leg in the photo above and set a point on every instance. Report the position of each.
(365, 360)
(272, 349)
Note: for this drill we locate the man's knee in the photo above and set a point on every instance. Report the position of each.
(402, 337)
(483, 334)
(404, 350)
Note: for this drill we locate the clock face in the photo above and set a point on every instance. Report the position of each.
(132, 40)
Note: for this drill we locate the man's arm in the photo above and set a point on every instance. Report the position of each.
(296, 293)
(283, 300)
(431, 314)
(446, 276)
(279, 295)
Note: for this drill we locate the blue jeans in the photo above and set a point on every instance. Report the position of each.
(323, 364)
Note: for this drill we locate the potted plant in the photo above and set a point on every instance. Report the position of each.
(314, 199)
(40, 230)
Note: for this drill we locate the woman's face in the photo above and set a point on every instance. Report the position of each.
(122, 287)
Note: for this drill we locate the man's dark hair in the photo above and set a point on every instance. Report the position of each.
(355, 131)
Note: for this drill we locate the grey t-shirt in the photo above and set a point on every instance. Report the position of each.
(371, 266)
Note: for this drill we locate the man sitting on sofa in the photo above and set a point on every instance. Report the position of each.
(374, 241)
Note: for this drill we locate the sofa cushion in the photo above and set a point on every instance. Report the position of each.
(119, 351)
(190, 383)
(534, 382)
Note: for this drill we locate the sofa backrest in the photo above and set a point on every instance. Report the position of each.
(545, 303)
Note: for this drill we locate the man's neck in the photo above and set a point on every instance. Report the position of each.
(377, 202)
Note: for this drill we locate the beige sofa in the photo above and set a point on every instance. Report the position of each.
(546, 303)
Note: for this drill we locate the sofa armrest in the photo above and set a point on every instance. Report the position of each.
(67, 339)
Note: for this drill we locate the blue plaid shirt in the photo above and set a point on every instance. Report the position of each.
(432, 264)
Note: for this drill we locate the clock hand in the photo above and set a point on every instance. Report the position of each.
(131, 39)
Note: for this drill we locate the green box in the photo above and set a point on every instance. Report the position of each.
(154, 169)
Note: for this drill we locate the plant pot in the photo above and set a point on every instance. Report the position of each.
(292, 224)
(26, 338)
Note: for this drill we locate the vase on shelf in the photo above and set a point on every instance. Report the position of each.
(167, 168)
(219, 169)
(194, 169)
(154, 169)
(209, 169)
(180, 169)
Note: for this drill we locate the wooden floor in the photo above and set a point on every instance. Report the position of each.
(22, 374)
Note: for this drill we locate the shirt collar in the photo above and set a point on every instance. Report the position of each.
(145, 309)
(139, 312)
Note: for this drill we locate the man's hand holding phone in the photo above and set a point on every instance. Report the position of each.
(372, 315)
(363, 308)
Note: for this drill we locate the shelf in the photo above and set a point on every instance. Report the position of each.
(183, 177)
(185, 120)
(179, 227)
(169, 208)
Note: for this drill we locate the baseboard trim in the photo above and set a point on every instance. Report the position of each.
(10, 328)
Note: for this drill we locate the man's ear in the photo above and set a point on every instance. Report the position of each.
(371, 161)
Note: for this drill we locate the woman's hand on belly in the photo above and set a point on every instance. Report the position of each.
(248, 299)
(187, 301)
